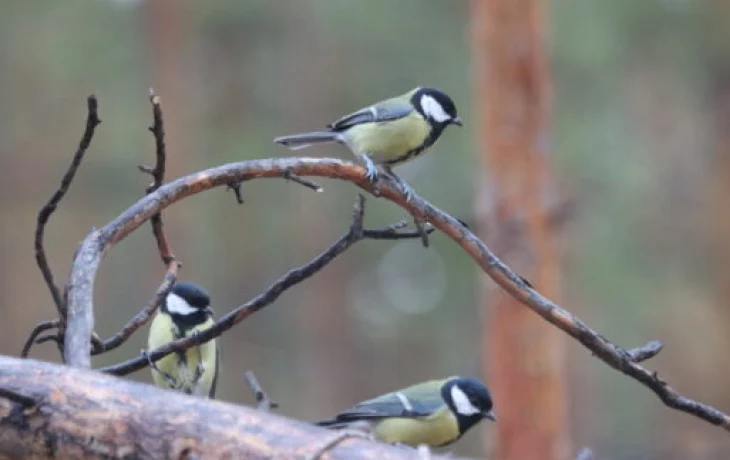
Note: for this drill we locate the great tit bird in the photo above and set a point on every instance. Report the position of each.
(435, 413)
(389, 132)
(183, 313)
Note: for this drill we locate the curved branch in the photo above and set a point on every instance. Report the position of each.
(295, 276)
(92, 120)
(38, 330)
(98, 242)
(47, 410)
(144, 315)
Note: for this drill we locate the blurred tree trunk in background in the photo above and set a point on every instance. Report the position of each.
(524, 357)
(718, 224)
(169, 33)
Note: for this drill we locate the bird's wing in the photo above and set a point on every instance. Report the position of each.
(391, 109)
(396, 404)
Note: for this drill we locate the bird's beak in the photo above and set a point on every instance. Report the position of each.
(491, 415)
(457, 121)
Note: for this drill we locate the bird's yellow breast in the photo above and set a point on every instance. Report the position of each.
(388, 141)
(438, 429)
(183, 370)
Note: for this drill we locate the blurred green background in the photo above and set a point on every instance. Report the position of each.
(640, 148)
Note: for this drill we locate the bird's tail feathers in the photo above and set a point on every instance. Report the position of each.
(330, 423)
(303, 140)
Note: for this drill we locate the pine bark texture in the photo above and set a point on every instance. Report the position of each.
(524, 359)
(84, 414)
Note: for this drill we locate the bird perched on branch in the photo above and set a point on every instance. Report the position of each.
(389, 132)
(435, 413)
(185, 312)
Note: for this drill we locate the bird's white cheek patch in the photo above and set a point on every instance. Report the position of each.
(433, 109)
(462, 403)
(178, 305)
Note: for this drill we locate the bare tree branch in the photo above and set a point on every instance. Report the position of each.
(92, 120)
(263, 402)
(141, 318)
(645, 352)
(82, 414)
(158, 177)
(391, 232)
(158, 231)
(38, 330)
(291, 278)
(98, 242)
(49, 338)
(288, 175)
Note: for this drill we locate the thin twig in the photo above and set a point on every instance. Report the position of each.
(335, 439)
(158, 177)
(38, 330)
(645, 352)
(144, 315)
(288, 175)
(391, 232)
(48, 338)
(14, 396)
(263, 401)
(421, 229)
(237, 188)
(92, 120)
(291, 278)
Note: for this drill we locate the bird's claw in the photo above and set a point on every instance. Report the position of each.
(407, 191)
(372, 174)
(171, 382)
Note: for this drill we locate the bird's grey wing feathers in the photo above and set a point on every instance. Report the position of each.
(394, 404)
(385, 111)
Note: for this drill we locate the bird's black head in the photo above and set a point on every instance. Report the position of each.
(469, 400)
(436, 106)
(188, 303)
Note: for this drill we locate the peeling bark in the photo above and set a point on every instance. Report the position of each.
(84, 414)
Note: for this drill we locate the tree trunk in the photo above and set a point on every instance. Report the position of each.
(524, 358)
(86, 414)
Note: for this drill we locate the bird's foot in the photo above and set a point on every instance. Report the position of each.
(407, 190)
(372, 170)
(338, 437)
(371, 173)
(171, 382)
